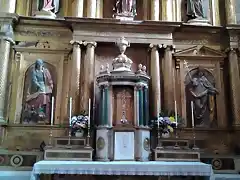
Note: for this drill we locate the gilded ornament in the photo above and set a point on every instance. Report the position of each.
(100, 143)
(217, 164)
(16, 160)
(146, 144)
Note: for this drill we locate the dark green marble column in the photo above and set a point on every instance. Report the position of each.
(141, 107)
(145, 106)
(102, 105)
(106, 102)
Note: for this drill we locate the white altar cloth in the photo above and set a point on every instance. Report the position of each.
(150, 168)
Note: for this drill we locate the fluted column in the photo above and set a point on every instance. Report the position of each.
(78, 12)
(75, 76)
(234, 86)
(4, 66)
(91, 8)
(99, 9)
(155, 10)
(167, 10)
(7, 6)
(88, 75)
(230, 11)
(155, 80)
(168, 86)
(6, 39)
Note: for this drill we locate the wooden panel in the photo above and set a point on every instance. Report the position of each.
(120, 105)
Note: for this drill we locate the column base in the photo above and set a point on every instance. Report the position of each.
(45, 14)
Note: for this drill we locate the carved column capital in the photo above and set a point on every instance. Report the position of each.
(90, 44)
(76, 43)
(154, 46)
(167, 47)
(231, 50)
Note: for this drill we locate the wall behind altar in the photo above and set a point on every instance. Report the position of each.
(105, 53)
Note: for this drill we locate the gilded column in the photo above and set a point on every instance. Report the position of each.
(167, 10)
(79, 8)
(75, 76)
(155, 80)
(230, 11)
(146, 9)
(88, 75)
(178, 10)
(168, 87)
(99, 9)
(91, 8)
(215, 11)
(155, 10)
(8, 6)
(6, 39)
(4, 66)
(235, 86)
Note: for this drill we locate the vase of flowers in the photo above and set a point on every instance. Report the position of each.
(165, 123)
(79, 125)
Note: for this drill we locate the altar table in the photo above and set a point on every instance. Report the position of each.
(150, 168)
(18, 175)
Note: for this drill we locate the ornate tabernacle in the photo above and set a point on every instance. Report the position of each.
(122, 133)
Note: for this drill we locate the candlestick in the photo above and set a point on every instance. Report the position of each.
(89, 111)
(176, 113)
(52, 111)
(70, 111)
(192, 113)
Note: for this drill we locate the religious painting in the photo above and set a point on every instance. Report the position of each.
(123, 105)
(200, 89)
(39, 88)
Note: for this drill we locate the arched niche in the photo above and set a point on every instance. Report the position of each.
(207, 115)
(27, 110)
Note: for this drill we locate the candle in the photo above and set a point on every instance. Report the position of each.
(176, 113)
(89, 111)
(52, 111)
(70, 110)
(192, 113)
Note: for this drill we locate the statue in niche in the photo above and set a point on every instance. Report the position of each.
(38, 97)
(203, 94)
(48, 5)
(195, 9)
(125, 7)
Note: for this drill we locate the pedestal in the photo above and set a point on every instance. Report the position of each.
(199, 22)
(45, 14)
(142, 147)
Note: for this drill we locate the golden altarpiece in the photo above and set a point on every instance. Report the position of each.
(174, 56)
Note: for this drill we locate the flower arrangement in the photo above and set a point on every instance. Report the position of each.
(166, 122)
(79, 124)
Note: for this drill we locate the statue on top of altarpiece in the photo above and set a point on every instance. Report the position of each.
(195, 9)
(203, 94)
(48, 5)
(125, 7)
(38, 99)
